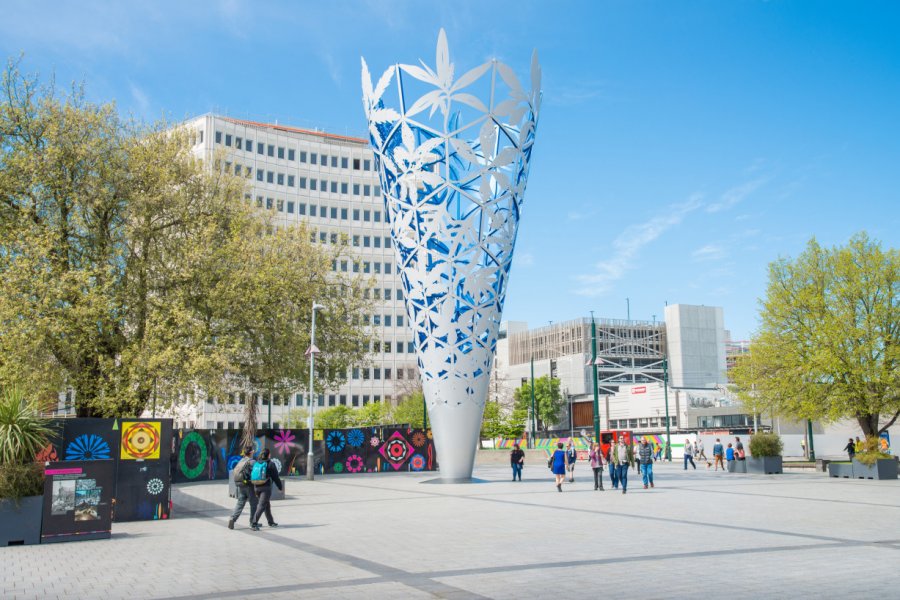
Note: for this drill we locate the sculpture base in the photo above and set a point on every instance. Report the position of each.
(453, 480)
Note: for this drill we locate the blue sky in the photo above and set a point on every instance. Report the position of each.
(682, 145)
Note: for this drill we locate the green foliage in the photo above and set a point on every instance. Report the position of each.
(871, 452)
(766, 444)
(128, 268)
(828, 346)
(335, 417)
(497, 424)
(23, 433)
(410, 411)
(548, 401)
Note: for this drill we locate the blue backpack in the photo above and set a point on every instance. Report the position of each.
(258, 475)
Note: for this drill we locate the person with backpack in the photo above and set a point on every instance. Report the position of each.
(620, 459)
(262, 476)
(245, 491)
(571, 458)
(517, 460)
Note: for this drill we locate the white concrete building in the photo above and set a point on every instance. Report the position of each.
(330, 182)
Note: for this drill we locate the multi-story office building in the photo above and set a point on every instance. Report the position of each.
(330, 183)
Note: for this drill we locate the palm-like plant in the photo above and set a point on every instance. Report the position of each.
(23, 433)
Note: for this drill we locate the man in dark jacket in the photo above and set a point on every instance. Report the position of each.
(245, 491)
(264, 492)
(645, 457)
(517, 460)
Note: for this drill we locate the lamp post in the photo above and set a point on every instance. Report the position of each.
(594, 371)
(666, 397)
(311, 352)
(533, 417)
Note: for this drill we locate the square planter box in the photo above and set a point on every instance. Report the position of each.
(740, 466)
(840, 469)
(768, 465)
(884, 468)
(21, 524)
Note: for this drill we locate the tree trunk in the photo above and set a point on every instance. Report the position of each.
(869, 424)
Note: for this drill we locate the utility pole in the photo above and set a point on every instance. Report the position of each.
(812, 447)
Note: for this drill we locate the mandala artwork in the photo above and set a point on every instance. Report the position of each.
(186, 455)
(418, 439)
(335, 441)
(89, 446)
(417, 462)
(338, 467)
(396, 450)
(355, 463)
(453, 156)
(155, 486)
(355, 438)
(374, 441)
(140, 440)
(277, 463)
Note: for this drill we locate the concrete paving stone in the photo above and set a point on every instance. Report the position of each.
(399, 535)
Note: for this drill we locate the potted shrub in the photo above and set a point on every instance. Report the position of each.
(765, 453)
(23, 433)
(872, 463)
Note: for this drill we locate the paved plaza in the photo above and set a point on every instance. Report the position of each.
(698, 534)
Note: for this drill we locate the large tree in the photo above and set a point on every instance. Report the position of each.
(829, 342)
(547, 400)
(131, 271)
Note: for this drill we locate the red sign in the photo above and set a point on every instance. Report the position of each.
(639, 390)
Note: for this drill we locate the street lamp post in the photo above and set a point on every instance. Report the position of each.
(594, 371)
(533, 416)
(310, 459)
(666, 397)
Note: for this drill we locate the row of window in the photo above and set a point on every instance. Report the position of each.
(376, 373)
(290, 154)
(379, 320)
(320, 211)
(640, 423)
(364, 266)
(303, 183)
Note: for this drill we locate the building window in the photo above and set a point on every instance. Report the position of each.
(367, 189)
(334, 187)
(377, 216)
(356, 189)
(259, 174)
(387, 373)
(356, 164)
(334, 212)
(227, 143)
(271, 151)
(366, 215)
(259, 201)
(260, 148)
(343, 188)
(280, 205)
(281, 179)
(280, 152)
(355, 399)
(343, 162)
(248, 145)
(291, 154)
(400, 349)
(302, 156)
(290, 181)
(218, 137)
(410, 348)
(366, 241)
(366, 266)
(313, 158)
(367, 165)
(301, 209)
(312, 184)
(377, 268)
(331, 399)
(399, 320)
(312, 210)
(377, 190)
(237, 143)
(270, 177)
(290, 207)
(377, 241)
(303, 183)
(268, 204)
(387, 323)
(387, 293)
(344, 214)
(387, 268)
(356, 214)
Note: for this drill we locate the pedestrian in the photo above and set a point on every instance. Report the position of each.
(857, 445)
(245, 492)
(558, 465)
(263, 475)
(668, 451)
(571, 458)
(739, 449)
(645, 454)
(729, 457)
(597, 462)
(851, 449)
(696, 453)
(620, 460)
(803, 448)
(688, 455)
(718, 453)
(517, 461)
(613, 472)
(657, 450)
(701, 453)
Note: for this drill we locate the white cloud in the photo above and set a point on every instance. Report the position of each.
(141, 100)
(627, 247)
(524, 259)
(709, 252)
(736, 195)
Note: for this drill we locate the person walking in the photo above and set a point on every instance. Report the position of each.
(688, 455)
(620, 460)
(571, 459)
(657, 450)
(517, 461)
(857, 445)
(263, 475)
(597, 462)
(558, 465)
(701, 453)
(245, 492)
(850, 449)
(718, 455)
(645, 455)
(613, 472)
